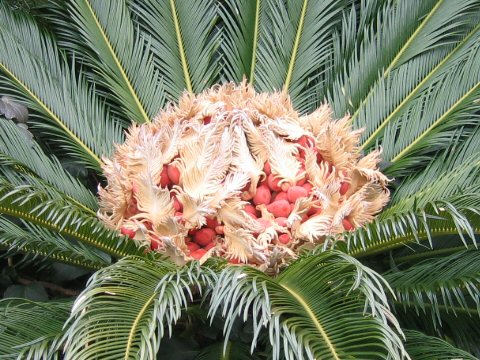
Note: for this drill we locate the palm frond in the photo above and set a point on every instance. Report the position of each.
(297, 307)
(31, 330)
(439, 112)
(183, 42)
(241, 21)
(405, 30)
(445, 284)
(36, 74)
(125, 309)
(123, 59)
(294, 40)
(393, 95)
(423, 347)
(36, 241)
(58, 215)
(19, 154)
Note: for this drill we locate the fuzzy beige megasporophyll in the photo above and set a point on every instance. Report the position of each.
(242, 175)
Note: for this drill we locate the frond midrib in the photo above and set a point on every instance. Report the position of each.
(399, 54)
(54, 117)
(311, 314)
(181, 48)
(415, 90)
(296, 44)
(436, 123)
(118, 63)
(255, 42)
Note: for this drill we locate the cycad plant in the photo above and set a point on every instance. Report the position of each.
(299, 179)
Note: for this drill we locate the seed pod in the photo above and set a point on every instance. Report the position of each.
(197, 254)
(273, 181)
(279, 208)
(284, 238)
(204, 236)
(262, 196)
(296, 192)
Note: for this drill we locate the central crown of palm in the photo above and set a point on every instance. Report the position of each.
(238, 174)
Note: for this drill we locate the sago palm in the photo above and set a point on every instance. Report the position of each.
(240, 179)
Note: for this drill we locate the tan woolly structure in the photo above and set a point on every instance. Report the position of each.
(222, 174)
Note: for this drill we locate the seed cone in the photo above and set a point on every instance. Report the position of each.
(241, 175)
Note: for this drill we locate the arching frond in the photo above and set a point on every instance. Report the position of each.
(35, 73)
(294, 41)
(423, 347)
(31, 330)
(326, 305)
(57, 214)
(445, 284)
(22, 155)
(39, 242)
(123, 60)
(241, 21)
(125, 309)
(183, 41)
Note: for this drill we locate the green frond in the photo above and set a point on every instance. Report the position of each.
(439, 112)
(451, 282)
(326, 305)
(423, 347)
(460, 329)
(294, 41)
(31, 330)
(18, 153)
(36, 73)
(229, 351)
(241, 23)
(36, 241)
(123, 60)
(404, 31)
(403, 87)
(446, 205)
(58, 215)
(183, 41)
(125, 309)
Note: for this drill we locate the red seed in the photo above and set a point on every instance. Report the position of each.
(220, 230)
(344, 186)
(281, 221)
(296, 192)
(192, 247)
(192, 232)
(207, 120)
(262, 196)
(197, 254)
(279, 208)
(266, 168)
(173, 174)
(212, 223)
(284, 238)
(307, 186)
(154, 242)
(204, 236)
(128, 232)
(347, 225)
(273, 182)
(209, 246)
(282, 195)
(164, 180)
(302, 181)
(177, 205)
